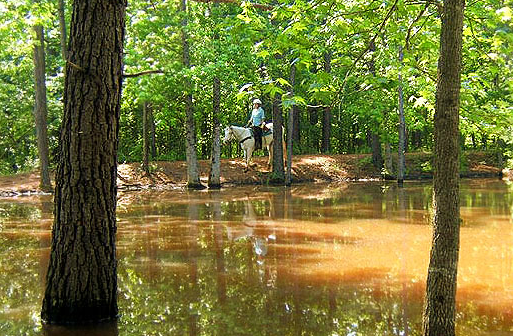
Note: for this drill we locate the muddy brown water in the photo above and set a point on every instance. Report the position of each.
(318, 259)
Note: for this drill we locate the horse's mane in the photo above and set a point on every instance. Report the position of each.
(238, 125)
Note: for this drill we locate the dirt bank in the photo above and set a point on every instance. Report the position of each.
(305, 168)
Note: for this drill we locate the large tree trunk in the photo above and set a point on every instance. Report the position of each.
(439, 315)
(402, 125)
(214, 178)
(326, 120)
(40, 110)
(81, 280)
(193, 181)
(278, 174)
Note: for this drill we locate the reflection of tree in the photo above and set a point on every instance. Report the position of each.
(192, 259)
(102, 329)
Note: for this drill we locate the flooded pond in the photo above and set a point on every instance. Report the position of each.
(346, 259)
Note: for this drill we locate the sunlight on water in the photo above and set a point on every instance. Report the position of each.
(348, 259)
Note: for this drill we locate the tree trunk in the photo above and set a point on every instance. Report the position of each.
(326, 120)
(146, 139)
(193, 181)
(290, 127)
(439, 315)
(81, 282)
(62, 28)
(402, 124)
(377, 158)
(151, 123)
(214, 178)
(40, 110)
(388, 159)
(278, 175)
(296, 134)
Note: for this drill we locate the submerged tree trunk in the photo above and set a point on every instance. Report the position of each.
(41, 111)
(440, 311)
(81, 282)
(402, 125)
(193, 181)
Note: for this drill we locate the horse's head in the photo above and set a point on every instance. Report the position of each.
(228, 134)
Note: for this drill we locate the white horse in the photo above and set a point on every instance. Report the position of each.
(247, 141)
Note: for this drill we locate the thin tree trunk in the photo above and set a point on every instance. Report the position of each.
(377, 158)
(326, 121)
(40, 110)
(62, 28)
(81, 284)
(290, 127)
(153, 144)
(296, 134)
(214, 178)
(146, 140)
(440, 308)
(193, 181)
(402, 126)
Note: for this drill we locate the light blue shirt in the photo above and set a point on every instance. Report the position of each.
(257, 116)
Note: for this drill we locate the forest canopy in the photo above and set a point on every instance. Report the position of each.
(349, 60)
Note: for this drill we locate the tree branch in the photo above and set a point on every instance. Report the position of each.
(371, 42)
(408, 35)
(142, 73)
(238, 2)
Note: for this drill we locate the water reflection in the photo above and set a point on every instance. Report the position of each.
(101, 329)
(349, 259)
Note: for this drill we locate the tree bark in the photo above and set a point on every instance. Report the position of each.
(326, 120)
(81, 282)
(402, 124)
(193, 181)
(440, 311)
(41, 111)
(278, 174)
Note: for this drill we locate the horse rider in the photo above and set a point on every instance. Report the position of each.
(256, 121)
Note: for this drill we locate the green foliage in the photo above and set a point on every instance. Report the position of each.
(250, 50)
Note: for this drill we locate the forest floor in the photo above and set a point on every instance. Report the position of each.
(305, 168)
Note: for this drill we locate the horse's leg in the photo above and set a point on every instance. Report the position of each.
(245, 150)
(250, 155)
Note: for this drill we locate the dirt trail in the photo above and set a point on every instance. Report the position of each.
(305, 168)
